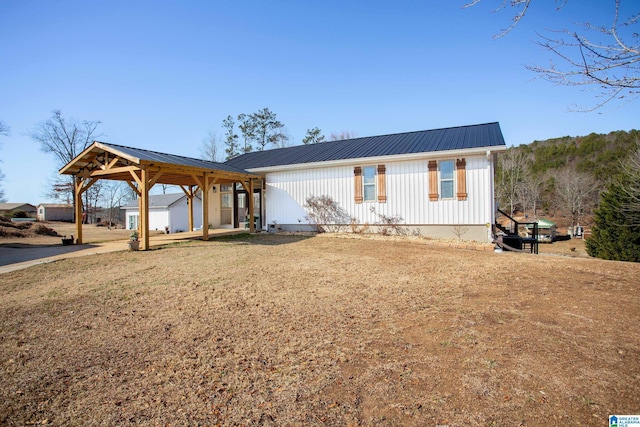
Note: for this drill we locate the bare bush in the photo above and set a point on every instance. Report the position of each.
(327, 215)
(389, 224)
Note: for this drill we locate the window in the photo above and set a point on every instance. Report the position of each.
(369, 183)
(226, 195)
(133, 222)
(446, 179)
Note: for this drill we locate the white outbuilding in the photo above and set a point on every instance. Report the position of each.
(167, 212)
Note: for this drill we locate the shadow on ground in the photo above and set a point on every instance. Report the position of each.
(13, 253)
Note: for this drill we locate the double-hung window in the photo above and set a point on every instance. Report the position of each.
(446, 179)
(369, 183)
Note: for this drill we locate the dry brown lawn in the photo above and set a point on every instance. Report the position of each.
(290, 330)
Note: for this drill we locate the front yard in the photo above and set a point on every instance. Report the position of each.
(290, 330)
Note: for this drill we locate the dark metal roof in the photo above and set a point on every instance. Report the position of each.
(173, 159)
(455, 138)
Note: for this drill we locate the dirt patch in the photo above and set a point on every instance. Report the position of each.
(22, 230)
(50, 232)
(298, 330)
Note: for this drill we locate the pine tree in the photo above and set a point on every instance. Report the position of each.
(231, 140)
(614, 237)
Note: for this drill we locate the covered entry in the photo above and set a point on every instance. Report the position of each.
(142, 169)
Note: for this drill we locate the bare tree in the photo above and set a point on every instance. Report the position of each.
(114, 195)
(576, 193)
(510, 176)
(92, 199)
(339, 136)
(209, 149)
(606, 57)
(65, 139)
(530, 192)
(281, 139)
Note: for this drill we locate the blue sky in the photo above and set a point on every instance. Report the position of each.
(160, 75)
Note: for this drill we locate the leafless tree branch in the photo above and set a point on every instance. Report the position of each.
(606, 58)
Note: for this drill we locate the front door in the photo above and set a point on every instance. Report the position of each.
(241, 219)
(226, 204)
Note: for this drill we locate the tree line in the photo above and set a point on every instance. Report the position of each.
(574, 178)
(257, 131)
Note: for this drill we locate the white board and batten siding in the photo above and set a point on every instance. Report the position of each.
(407, 191)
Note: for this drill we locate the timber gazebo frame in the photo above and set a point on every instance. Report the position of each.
(142, 169)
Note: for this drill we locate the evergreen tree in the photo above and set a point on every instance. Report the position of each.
(313, 136)
(231, 140)
(613, 236)
(266, 128)
(248, 128)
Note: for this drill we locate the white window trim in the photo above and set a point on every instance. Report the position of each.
(374, 184)
(452, 179)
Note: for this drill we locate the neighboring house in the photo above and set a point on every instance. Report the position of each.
(54, 212)
(6, 208)
(165, 210)
(440, 182)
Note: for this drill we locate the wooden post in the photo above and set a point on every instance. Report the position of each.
(252, 224)
(190, 195)
(144, 209)
(205, 207)
(78, 208)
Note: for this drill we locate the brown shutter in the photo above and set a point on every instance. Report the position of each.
(433, 180)
(382, 184)
(461, 175)
(357, 175)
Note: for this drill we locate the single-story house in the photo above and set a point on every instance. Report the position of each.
(166, 212)
(439, 182)
(55, 212)
(7, 208)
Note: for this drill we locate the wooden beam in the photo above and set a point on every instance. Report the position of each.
(112, 163)
(196, 179)
(134, 188)
(155, 178)
(112, 171)
(137, 179)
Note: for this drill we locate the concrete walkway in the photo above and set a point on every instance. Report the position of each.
(17, 258)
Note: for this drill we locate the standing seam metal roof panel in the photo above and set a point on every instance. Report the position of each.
(456, 138)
